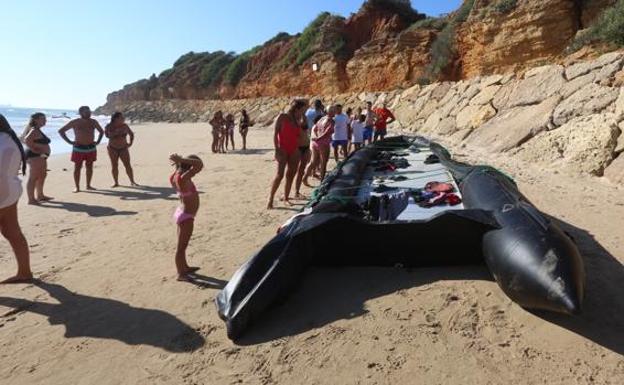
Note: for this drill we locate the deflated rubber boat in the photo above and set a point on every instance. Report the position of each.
(404, 202)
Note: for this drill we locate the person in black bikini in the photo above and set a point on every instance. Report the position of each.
(118, 146)
(306, 155)
(37, 153)
(243, 127)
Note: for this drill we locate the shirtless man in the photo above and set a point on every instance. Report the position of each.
(84, 144)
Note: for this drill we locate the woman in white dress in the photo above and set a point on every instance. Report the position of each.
(13, 160)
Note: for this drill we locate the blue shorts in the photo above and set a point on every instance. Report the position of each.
(336, 143)
(368, 133)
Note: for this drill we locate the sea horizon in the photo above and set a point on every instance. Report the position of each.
(18, 119)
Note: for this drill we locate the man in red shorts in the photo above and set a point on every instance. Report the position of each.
(84, 144)
(384, 117)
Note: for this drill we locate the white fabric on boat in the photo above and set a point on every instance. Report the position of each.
(418, 174)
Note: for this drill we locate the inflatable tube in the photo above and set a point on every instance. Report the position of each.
(535, 263)
(532, 260)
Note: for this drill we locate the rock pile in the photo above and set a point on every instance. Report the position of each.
(566, 117)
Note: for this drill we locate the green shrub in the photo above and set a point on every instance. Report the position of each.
(463, 12)
(213, 70)
(401, 7)
(442, 52)
(304, 46)
(166, 73)
(184, 58)
(505, 6)
(609, 28)
(281, 36)
(437, 23)
(443, 48)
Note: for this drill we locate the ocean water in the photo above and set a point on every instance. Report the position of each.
(18, 119)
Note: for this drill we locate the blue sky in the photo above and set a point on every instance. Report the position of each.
(65, 53)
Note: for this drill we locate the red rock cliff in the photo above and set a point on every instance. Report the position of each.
(385, 45)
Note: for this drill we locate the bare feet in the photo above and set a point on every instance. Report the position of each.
(33, 202)
(270, 205)
(288, 202)
(300, 196)
(306, 183)
(91, 188)
(134, 184)
(45, 198)
(115, 185)
(18, 279)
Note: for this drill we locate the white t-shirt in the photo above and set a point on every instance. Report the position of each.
(11, 162)
(341, 129)
(358, 131)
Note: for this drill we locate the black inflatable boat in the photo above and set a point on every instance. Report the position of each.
(404, 202)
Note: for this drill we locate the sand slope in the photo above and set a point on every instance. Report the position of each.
(110, 310)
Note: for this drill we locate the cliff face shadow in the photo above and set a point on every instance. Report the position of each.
(85, 316)
(91, 210)
(329, 294)
(602, 319)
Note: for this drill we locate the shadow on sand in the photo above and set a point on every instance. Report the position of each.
(91, 210)
(602, 320)
(252, 151)
(139, 193)
(327, 295)
(93, 317)
(205, 282)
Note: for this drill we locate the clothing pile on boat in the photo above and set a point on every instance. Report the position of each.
(389, 202)
(391, 161)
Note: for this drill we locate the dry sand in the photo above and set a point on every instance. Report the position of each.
(109, 310)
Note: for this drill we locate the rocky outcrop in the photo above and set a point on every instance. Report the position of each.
(563, 123)
(532, 31)
(381, 48)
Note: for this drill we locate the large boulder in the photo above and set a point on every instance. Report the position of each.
(513, 127)
(587, 101)
(474, 116)
(538, 85)
(585, 144)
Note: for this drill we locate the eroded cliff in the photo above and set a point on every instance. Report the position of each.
(385, 45)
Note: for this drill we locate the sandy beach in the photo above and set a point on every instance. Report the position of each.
(109, 310)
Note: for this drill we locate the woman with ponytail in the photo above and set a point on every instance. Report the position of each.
(37, 153)
(12, 159)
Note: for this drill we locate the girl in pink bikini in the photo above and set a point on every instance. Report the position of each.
(321, 139)
(186, 168)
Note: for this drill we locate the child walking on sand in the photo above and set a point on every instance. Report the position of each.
(181, 180)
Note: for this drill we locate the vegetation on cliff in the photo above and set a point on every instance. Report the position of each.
(311, 41)
(443, 49)
(608, 29)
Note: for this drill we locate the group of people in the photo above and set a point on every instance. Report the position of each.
(223, 131)
(304, 136)
(32, 149)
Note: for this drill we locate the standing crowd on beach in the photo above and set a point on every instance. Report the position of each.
(303, 137)
(223, 131)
